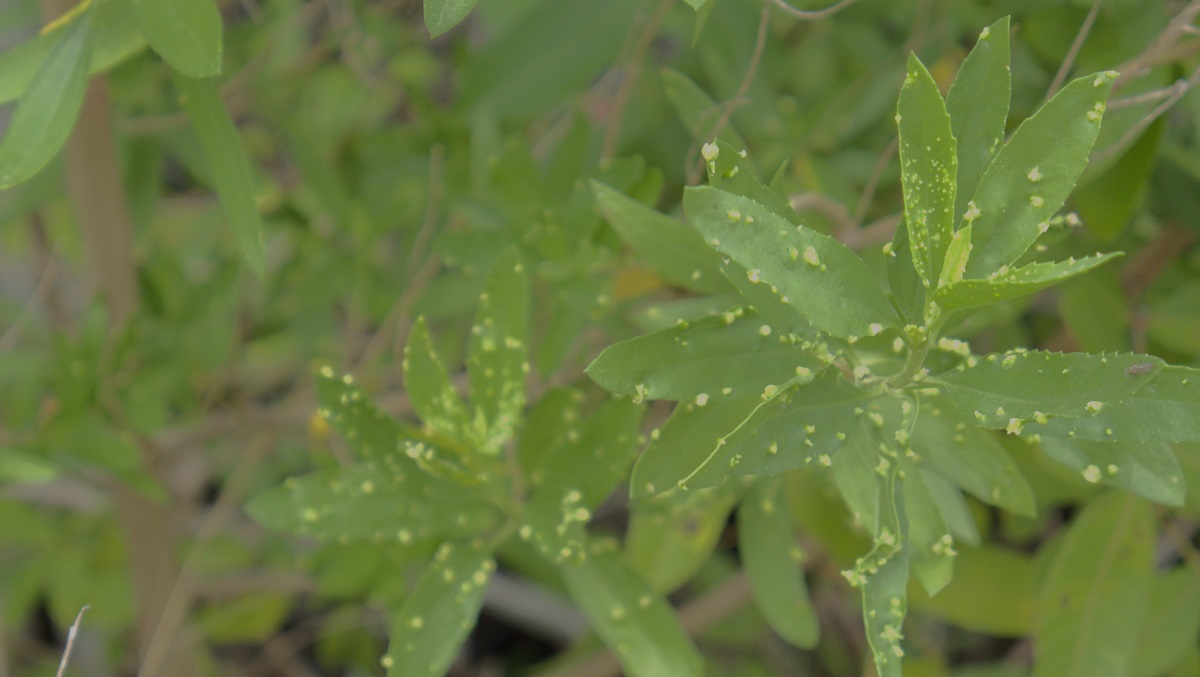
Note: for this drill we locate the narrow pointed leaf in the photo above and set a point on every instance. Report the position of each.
(670, 247)
(1096, 590)
(428, 386)
(970, 458)
(372, 435)
(734, 354)
(854, 474)
(928, 170)
(185, 33)
(1033, 173)
(823, 279)
(1007, 390)
(801, 425)
(545, 430)
(228, 165)
(46, 112)
(439, 612)
(1167, 409)
(978, 107)
(114, 39)
(684, 443)
(774, 564)
(498, 357)
(636, 623)
(1148, 469)
(598, 458)
(929, 543)
(1014, 283)
(442, 15)
(952, 506)
(907, 291)
(360, 503)
(882, 577)
(669, 540)
(553, 525)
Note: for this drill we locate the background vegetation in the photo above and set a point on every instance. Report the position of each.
(158, 360)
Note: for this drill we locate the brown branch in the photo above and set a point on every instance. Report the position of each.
(695, 164)
(1069, 60)
(612, 129)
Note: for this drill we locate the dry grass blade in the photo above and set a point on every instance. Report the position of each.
(66, 657)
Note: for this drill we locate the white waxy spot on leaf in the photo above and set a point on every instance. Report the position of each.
(702, 399)
(1036, 201)
(1094, 407)
(811, 257)
(764, 330)
(1091, 474)
(710, 151)
(875, 328)
(1034, 175)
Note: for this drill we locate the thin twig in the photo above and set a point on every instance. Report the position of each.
(612, 130)
(695, 164)
(1084, 29)
(71, 634)
(868, 194)
(813, 14)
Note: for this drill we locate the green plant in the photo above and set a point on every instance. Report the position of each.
(961, 433)
(820, 367)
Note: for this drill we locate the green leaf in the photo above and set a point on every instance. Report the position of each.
(854, 475)
(671, 248)
(1096, 590)
(734, 354)
(371, 434)
(498, 358)
(684, 442)
(553, 525)
(818, 276)
(185, 33)
(1011, 284)
(442, 15)
(928, 170)
(697, 109)
(970, 458)
(907, 291)
(637, 624)
(1109, 202)
(951, 504)
(22, 467)
(545, 429)
(930, 544)
(114, 39)
(731, 170)
(1011, 389)
(774, 564)
(429, 388)
(1033, 173)
(597, 455)
(978, 106)
(882, 576)
(439, 613)
(47, 110)
(993, 592)
(669, 540)
(798, 425)
(1166, 409)
(360, 502)
(1172, 621)
(1148, 469)
(228, 166)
